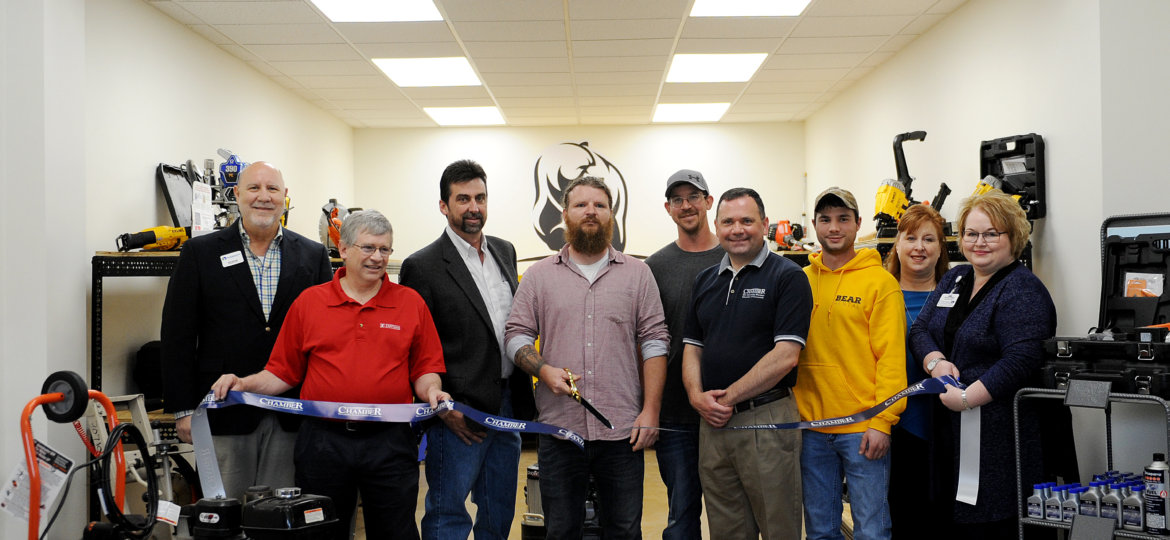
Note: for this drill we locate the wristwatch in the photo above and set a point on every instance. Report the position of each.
(930, 365)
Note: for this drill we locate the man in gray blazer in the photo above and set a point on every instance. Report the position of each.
(467, 280)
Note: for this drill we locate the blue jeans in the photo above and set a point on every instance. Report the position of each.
(678, 461)
(486, 470)
(564, 479)
(824, 460)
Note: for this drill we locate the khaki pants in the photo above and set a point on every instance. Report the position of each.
(263, 457)
(750, 477)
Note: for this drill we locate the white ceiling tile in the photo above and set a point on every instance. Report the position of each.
(868, 8)
(741, 27)
(522, 65)
(385, 113)
(831, 45)
(509, 103)
(342, 81)
(429, 102)
(595, 101)
(511, 31)
(541, 120)
(691, 89)
(787, 87)
(395, 32)
(945, 6)
(502, 91)
(897, 43)
(851, 26)
(285, 81)
(622, 77)
(730, 118)
(788, 108)
(294, 53)
(624, 29)
(325, 105)
(438, 49)
(540, 111)
(401, 123)
(359, 67)
(622, 47)
(617, 90)
(620, 63)
(210, 34)
(447, 92)
(699, 98)
(625, 9)
(519, 49)
(779, 98)
(254, 12)
(727, 46)
(240, 52)
(624, 110)
(610, 120)
(339, 94)
(176, 12)
(877, 58)
(772, 75)
(279, 34)
(923, 23)
(512, 10)
(523, 79)
(305, 94)
(385, 105)
(814, 61)
(266, 69)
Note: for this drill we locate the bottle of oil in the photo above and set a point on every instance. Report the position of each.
(1155, 476)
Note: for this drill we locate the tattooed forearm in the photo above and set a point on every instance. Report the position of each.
(529, 360)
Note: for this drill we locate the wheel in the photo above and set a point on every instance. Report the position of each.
(76, 396)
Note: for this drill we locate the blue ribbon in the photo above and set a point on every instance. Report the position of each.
(937, 385)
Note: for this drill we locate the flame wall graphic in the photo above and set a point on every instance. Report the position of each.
(557, 166)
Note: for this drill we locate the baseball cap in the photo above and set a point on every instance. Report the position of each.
(694, 178)
(844, 196)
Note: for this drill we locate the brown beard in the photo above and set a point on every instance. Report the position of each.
(589, 243)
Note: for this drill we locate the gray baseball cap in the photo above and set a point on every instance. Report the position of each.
(694, 178)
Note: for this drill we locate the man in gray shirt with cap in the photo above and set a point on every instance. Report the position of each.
(674, 267)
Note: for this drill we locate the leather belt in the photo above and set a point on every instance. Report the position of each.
(762, 399)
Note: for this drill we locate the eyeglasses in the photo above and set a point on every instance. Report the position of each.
(369, 249)
(991, 237)
(693, 198)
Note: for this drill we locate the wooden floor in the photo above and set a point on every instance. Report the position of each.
(654, 506)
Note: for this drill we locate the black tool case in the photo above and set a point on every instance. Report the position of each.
(1135, 257)
(1018, 161)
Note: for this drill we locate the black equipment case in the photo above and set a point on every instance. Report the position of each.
(1124, 348)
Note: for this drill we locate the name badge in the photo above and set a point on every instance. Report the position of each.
(231, 259)
(948, 300)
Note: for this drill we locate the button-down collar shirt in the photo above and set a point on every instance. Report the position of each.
(600, 330)
(266, 269)
(493, 288)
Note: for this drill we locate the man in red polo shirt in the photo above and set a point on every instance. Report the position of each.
(360, 339)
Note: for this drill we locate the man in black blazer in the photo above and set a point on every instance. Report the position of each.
(467, 280)
(224, 307)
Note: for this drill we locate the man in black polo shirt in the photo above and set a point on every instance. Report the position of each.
(747, 325)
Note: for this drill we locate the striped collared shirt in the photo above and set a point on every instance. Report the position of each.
(265, 270)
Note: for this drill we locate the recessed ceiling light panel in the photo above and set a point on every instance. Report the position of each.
(689, 112)
(465, 116)
(691, 68)
(378, 10)
(407, 72)
(748, 8)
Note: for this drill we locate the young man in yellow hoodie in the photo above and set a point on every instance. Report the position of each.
(855, 359)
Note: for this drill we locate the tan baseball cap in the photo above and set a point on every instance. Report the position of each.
(843, 195)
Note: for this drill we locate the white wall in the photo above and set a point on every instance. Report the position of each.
(162, 93)
(992, 69)
(397, 172)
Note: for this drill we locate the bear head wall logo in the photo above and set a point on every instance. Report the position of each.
(557, 167)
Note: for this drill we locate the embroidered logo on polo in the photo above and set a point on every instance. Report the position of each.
(390, 326)
(753, 293)
(849, 299)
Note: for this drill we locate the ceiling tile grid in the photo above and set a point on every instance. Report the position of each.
(572, 62)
